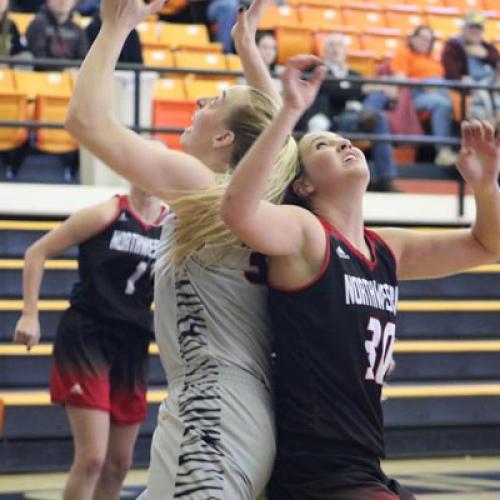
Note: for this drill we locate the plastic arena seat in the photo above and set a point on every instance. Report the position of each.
(158, 57)
(13, 106)
(404, 17)
(22, 20)
(276, 16)
(196, 89)
(169, 89)
(318, 18)
(445, 22)
(192, 36)
(51, 93)
(384, 44)
(233, 62)
(293, 41)
(363, 18)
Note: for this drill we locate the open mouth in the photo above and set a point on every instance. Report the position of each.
(349, 158)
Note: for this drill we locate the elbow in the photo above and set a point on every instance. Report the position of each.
(75, 122)
(34, 253)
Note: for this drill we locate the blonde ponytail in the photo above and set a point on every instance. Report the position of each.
(198, 223)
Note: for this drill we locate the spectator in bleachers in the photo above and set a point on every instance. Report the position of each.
(223, 14)
(470, 58)
(266, 43)
(416, 61)
(10, 39)
(54, 34)
(132, 48)
(343, 106)
(27, 5)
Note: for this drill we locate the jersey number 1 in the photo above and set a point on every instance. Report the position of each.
(387, 338)
(135, 277)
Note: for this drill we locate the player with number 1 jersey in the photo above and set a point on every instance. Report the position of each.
(100, 356)
(102, 341)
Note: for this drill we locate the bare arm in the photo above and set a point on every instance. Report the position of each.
(90, 117)
(432, 255)
(77, 228)
(256, 72)
(271, 229)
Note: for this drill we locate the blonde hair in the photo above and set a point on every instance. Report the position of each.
(198, 222)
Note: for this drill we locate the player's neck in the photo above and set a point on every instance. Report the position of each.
(148, 207)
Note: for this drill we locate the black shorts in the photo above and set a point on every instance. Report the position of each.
(102, 365)
(318, 476)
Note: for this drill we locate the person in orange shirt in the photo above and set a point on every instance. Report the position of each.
(415, 60)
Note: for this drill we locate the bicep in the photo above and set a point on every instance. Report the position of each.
(158, 171)
(277, 230)
(435, 254)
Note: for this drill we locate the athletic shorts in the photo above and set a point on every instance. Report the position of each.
(214, 440)
(318, 476)
(100, 365)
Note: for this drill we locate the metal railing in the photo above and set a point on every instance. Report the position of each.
(463, 88)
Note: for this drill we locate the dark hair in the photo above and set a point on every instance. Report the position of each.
(259, 35)
(417, 31)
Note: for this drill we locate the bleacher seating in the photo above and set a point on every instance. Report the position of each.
(441, 399)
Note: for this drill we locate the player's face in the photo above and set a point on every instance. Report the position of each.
(209, 120)
(330, 160)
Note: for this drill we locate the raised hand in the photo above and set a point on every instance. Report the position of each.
(298, 93)
(126, 14)
(27, 331)
(247, 22)
(479, 158)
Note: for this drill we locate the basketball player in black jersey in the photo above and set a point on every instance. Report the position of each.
(334, 292)
(101, 349)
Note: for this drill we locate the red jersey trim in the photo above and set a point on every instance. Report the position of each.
(315, 279)
(371, 263)
(381, 240)
(114, 218)
(146, 225)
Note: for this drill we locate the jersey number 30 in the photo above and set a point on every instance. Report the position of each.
(386, 340)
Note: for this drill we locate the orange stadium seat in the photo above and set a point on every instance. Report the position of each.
(169, 89)
(444, 22)
(383, 44)
(233, 63)
(404, 17)
(327, 4)
(193, 36)
(13, 106)
(424, 4)
(317, 18)
(351, 38)
(172, 113)
(363, 18)
(196, 89)
(276, 16)
(293, 41)
(465, 5)
(492, 5)
(149, 33)
(362, 61)
(492, 28)
(157, 57)
(7, 82)
(22, 20)
(200, 60)
(51, 92)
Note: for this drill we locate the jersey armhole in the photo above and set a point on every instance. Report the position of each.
(373, 234)
(315, 279)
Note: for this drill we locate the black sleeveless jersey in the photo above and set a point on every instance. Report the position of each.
(334, 340)
(115, 268)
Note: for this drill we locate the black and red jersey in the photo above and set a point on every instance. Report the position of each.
(334, 340)
(115, 268)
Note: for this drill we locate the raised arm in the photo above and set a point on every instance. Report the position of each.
(432, 255)
(256, 72)
(268, 228)
(90, 117)
(77, 228)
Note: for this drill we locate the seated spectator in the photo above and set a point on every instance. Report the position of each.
(132, 48)
(266, 43)
(415, 60)
(351, 107)
(53, 33)
(468, 57)
(10, 39)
